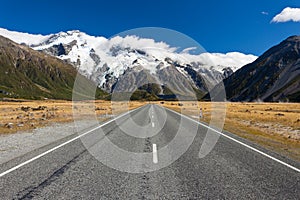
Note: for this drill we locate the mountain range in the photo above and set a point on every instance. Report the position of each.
(125, 64)
(155, 70)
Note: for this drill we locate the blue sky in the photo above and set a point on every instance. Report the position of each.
(218, 25)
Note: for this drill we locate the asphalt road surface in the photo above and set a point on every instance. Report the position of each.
(148, 163)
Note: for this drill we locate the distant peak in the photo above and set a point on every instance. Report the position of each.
(73, 31)
(68, 33)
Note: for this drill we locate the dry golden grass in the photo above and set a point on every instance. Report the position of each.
(275, 126)
(26, 115)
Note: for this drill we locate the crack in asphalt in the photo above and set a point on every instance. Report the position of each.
(31, 192)
(144, 184)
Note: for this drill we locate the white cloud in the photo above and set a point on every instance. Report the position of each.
(288, 14)
(264, 13)
(188, 50)
(161, 50)
(136, 42)
(235, 60)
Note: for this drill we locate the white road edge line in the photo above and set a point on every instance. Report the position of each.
(63, 144)
(155, 158)
(235, 140)
(152, 124)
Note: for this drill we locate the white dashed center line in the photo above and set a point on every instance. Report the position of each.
(155, 158)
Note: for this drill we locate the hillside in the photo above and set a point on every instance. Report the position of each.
(274, 76)
(26, 73)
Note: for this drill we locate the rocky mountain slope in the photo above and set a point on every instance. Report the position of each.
(26, 73)
(128, 63)
(274, 76)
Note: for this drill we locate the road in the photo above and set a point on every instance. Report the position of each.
(72, 169)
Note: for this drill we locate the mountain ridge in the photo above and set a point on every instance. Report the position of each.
(274, 76)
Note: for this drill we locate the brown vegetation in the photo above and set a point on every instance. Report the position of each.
(276, 126)
(25, 115)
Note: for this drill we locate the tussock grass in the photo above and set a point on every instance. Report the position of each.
(26, 115)
(276, 126)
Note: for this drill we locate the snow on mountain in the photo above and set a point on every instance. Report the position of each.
(105, 61)
(26, 38)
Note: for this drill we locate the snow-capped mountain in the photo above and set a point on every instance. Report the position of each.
(130, 62)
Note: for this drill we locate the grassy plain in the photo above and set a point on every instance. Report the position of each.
(26, 115)
(276, 126)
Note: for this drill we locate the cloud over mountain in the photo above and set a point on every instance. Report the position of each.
(131, 61)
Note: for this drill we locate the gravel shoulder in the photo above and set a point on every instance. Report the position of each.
(20, 143)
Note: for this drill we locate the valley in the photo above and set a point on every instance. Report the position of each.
(149, 100)
(115, 68)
